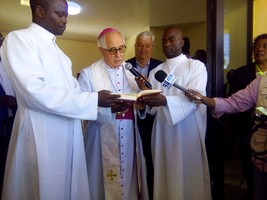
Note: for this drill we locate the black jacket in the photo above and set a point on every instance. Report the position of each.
(153, 63)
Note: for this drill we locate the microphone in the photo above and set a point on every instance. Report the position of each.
(169, 80)
(129, 67)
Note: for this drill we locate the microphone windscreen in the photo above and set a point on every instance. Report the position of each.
(160, 76)
(128, 66)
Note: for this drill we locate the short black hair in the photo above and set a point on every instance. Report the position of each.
(186, 47)
(201, 55)
(34, 3)
(259, 37)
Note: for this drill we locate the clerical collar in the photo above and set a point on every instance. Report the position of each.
(175, 60)
(111, 68)
(40, 30)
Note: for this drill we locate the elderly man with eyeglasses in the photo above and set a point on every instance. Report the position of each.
(115, 162)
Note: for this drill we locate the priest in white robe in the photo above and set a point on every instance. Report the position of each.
(178, 137)
(46, 157)
(115, 161)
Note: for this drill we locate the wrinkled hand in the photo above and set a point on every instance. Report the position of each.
(153, 100)
(141, 83)
(106, 99)
(121, 107)
(8, 101)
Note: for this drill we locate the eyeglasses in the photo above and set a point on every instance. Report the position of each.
(113, 50)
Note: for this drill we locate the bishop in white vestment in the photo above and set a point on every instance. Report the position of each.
(116, 166)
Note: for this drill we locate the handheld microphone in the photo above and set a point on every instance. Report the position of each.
(129, 67)
(169, 80)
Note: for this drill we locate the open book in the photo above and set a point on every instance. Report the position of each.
(134, 96)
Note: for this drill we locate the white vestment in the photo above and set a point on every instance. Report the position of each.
(178, 135)
(46, 157)
(113, 146)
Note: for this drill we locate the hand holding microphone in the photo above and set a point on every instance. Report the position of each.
(136, 73)
(169, 80)
(199, 98)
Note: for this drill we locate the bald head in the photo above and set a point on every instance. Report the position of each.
(174, 30)
(172, 42)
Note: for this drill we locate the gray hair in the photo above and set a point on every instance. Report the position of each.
(146, 35)
(101, 42)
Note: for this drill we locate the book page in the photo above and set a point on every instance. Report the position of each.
(148, 92)
(134, 96)
(128, 96)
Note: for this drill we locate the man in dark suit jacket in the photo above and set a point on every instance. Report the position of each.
(242, 123)
(144, 64)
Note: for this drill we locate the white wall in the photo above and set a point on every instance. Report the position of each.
(196, 35)
(80, 53)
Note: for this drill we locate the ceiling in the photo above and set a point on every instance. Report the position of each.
(129, 16)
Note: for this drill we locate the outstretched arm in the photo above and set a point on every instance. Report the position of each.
(198, 98)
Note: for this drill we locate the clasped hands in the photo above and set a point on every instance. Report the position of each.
(152, 100)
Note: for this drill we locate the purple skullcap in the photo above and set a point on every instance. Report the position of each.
(107, 30)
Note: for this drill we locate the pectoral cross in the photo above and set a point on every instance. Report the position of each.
(111, 174)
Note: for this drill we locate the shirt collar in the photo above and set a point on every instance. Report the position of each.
(137, 63)
(175, 60)
(45, 33)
